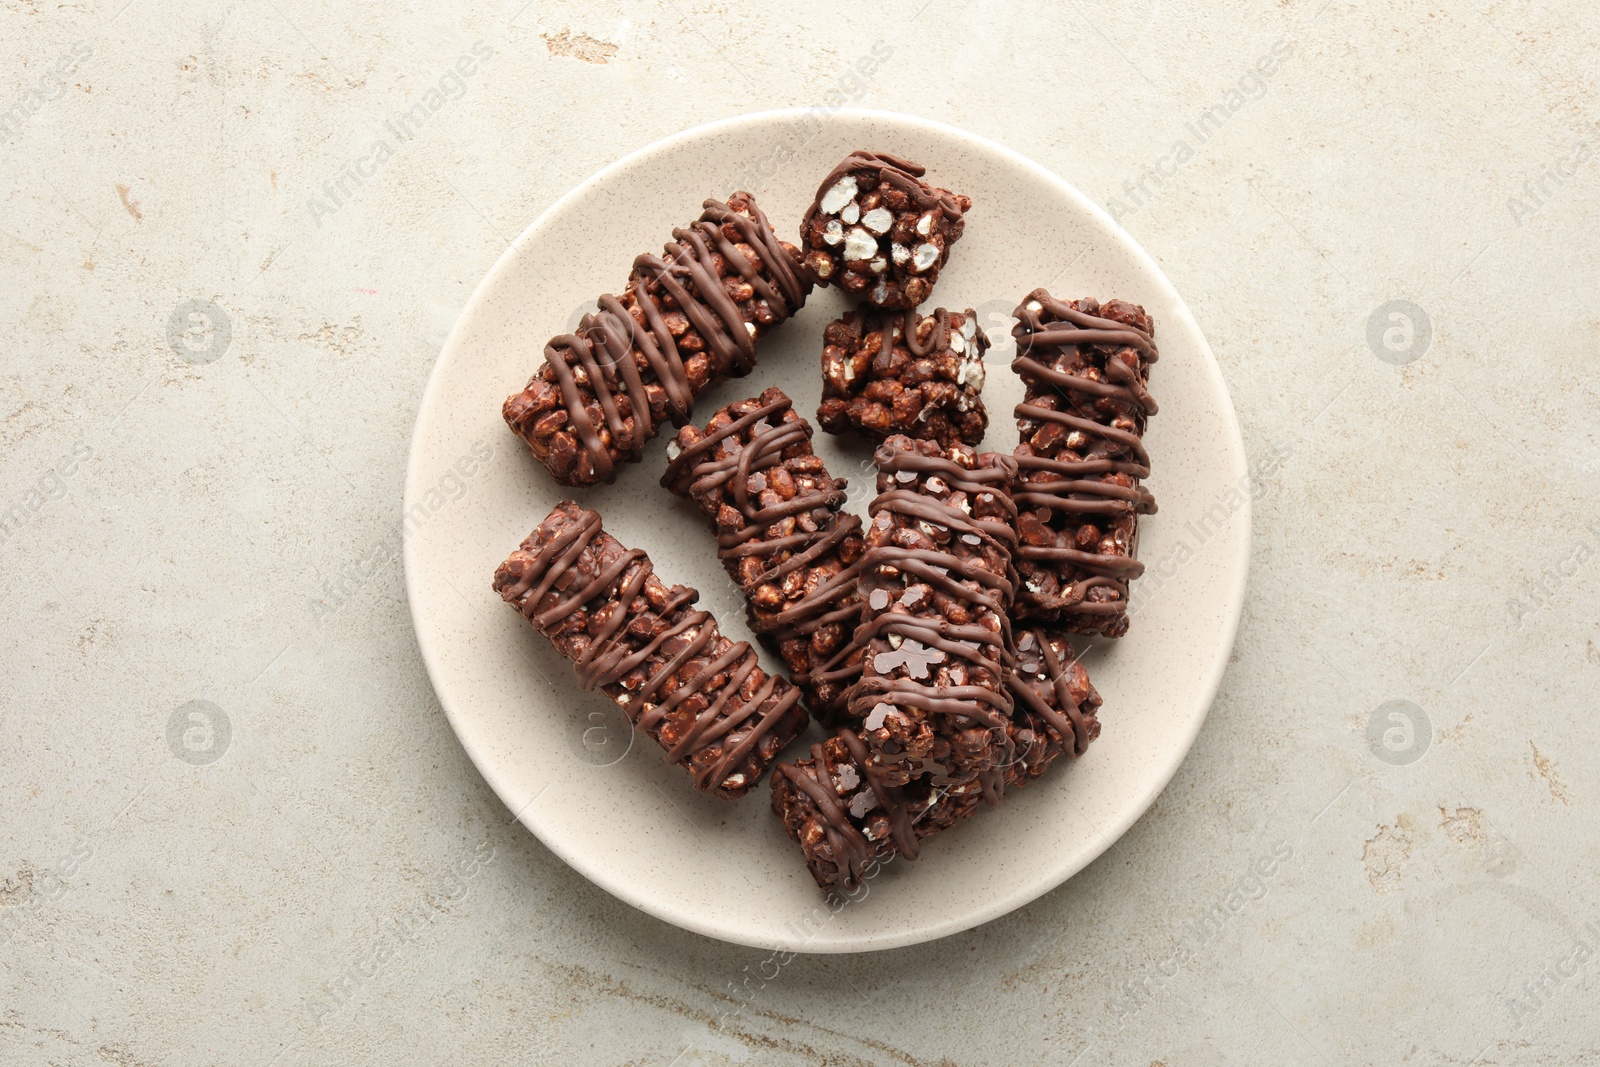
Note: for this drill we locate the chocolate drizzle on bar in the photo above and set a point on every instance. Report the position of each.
(844, 840)
(1082, 459)
(1053, 687)
(688, 318)
(703, 698)
(937, 582)
(781, 535)
(846, 818)
(897, 172)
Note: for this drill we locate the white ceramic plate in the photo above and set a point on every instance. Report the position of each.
(564, 761)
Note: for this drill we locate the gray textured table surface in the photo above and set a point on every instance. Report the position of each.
(237, 828)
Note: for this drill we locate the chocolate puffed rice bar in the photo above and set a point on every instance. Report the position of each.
(703, 698)
(688, 319)
(877, 228)
(847, 819)
(937, 581)
(889, 372)
(1084, 367)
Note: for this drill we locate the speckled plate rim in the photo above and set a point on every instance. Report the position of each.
(661, 905)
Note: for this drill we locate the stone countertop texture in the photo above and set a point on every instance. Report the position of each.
(238, 828)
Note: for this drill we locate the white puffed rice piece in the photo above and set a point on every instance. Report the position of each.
(859, 244)
(843, 191)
